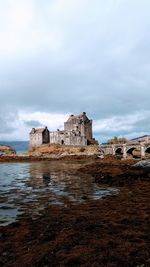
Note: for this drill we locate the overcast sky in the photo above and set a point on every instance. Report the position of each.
(61, 57)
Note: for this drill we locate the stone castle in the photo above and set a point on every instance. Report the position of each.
(77, 132)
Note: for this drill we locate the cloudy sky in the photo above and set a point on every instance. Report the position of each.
(59, 57)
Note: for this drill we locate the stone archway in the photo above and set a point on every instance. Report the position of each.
(119, 151)
(134, 152)
(130, 150)
(147, 150)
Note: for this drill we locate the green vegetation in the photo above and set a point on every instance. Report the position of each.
(117, 140)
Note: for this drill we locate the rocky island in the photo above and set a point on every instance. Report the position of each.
(73, 223)
(7, 150)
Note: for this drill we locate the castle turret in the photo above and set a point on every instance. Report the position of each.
(80, 123)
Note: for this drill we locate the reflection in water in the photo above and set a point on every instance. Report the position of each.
(46, 178)
(28, 188)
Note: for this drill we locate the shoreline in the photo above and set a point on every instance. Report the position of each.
(53, 157)
(113, 231)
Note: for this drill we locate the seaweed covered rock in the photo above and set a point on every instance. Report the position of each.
(6, 150)
(143, 164)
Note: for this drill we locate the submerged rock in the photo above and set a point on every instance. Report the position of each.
(144, 164)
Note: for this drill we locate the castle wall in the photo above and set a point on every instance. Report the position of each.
(75, 140)
(39, 137)
(81, 124)
(67, 138)
(57, 137)
(72, 125)
(36, 139)
(87, 128)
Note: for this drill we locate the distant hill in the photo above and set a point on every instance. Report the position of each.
(19, 146)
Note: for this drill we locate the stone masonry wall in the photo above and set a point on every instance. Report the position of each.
(57, 137)
(67, 138)
(35, 139)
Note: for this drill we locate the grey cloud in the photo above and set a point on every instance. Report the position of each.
(102, 67)
(143, 125)
(6, 122)
(125, 126)
(33, 123)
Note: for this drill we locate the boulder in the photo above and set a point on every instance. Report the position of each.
(7, 150)
(144, 164)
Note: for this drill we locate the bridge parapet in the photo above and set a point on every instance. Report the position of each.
(125, 149)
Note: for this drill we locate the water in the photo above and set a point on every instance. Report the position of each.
(21, 147)
(28, 188)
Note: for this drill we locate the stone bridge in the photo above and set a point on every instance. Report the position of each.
(125, 150)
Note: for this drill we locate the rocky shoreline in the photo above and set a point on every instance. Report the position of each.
(52, 157)
(113, 231)
(6, 150)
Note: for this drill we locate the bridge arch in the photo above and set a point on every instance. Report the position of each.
(119, 151)
(137, 149)
(147, 150)
(130, 150)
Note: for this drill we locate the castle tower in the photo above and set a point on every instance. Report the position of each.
(80, 124)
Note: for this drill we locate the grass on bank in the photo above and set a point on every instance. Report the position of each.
(59, 149)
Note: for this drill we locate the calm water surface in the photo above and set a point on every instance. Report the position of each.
(28, 188)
